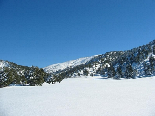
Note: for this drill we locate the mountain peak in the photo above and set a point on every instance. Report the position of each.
(64, 65)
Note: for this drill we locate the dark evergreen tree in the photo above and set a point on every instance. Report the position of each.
(134, 73)
(118, 73)
(85, 72)
(129, 72)
(92, 74)
(151, 60)
(147, 68)
(153, 49)
(111, 72)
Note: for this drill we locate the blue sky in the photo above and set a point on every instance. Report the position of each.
(44, 32)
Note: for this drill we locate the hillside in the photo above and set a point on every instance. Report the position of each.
(137, 62)
(61, 66)
(13, 74)
(130, 64)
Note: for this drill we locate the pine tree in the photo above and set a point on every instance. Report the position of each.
(147, 68)
(111, 72)
(151, 60)
(153, 49)
(118, 73)
(129, 72)
(92, 74)
(134, 73)
(85, 72)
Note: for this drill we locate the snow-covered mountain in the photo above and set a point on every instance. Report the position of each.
(3, 64)
(69, 64)
(137, 62)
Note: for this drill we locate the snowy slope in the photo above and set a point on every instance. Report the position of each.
(72, 63)
(3, 64)
(81, 97)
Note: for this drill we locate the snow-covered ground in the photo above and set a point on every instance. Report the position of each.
(92, 96)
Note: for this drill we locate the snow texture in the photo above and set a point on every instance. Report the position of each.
(3, 64)
(91, 96)
(72, 63)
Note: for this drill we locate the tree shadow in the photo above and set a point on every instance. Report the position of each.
(102, 78)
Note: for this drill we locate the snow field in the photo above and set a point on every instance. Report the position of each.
(91, 96)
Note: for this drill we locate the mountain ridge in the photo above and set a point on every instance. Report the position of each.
(133, 63)
(71, 63)
(129, 64)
